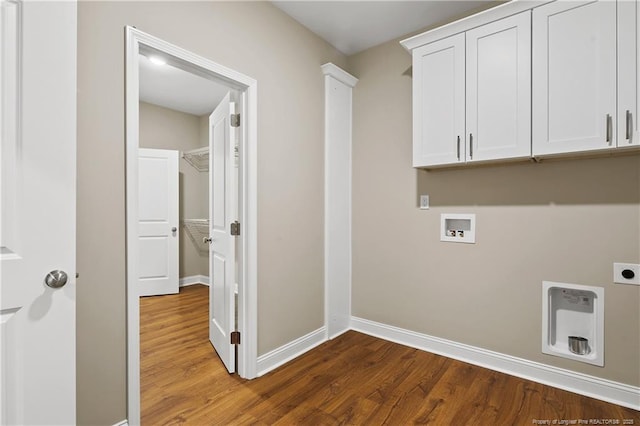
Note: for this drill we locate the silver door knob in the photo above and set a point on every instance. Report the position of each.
(174, 229)
(56, 279)
(207, 240)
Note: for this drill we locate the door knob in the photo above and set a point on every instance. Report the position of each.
(207, 240)
(56, 279)
(174, 229)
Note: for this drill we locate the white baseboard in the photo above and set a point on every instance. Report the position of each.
(583, 384)
(283, 354)
(194, 279)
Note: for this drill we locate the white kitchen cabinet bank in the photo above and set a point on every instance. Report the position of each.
(526, 79)
(577, 106)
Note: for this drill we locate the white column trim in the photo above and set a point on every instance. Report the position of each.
(337, 198)
(339, 74)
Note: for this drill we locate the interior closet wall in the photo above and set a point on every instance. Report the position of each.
(163, 128)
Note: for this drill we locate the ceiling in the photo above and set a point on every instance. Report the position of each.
(179, 90)
(350, 26)
(353, 26)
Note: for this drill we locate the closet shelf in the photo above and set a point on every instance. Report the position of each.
(198, 158)
(198, 230)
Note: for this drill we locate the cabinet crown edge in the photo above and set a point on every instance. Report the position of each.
(495, 13)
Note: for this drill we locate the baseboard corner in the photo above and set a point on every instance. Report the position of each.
(194, 279)
(285, 353)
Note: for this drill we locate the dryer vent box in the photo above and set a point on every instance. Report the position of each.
(458, 228)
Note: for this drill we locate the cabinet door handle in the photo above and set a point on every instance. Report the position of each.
(471, 145)
(629, 126)
(608, 129)
(458, 147)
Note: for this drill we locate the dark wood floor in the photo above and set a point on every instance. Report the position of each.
(354, 379)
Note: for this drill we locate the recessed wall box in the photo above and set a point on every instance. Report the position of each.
(458, 228)
(573, 322)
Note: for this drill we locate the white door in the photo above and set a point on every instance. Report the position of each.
(628, 75)
(574, 77)
(38, 205)
(499, 89)
(158, 240)
(438, 102)
(222, 213)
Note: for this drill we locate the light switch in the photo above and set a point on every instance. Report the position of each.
(424, 202)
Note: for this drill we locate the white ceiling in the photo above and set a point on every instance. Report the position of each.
(353, 26)
(179, 90)
(350, 26)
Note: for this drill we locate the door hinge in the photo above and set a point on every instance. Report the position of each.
(235, 120)
(235, 337)
(235, 228)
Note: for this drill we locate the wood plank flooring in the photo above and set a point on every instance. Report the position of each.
(354, 379)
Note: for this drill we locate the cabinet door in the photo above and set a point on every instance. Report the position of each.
(499, 89)
(438, 102)
(574, 77)
(628, 90)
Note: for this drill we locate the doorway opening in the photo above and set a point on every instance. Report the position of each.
(232, 256)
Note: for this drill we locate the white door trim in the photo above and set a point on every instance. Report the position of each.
(137, 41)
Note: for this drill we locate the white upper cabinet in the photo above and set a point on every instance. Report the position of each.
(438, 102)
(542, 78)
(498, 89)
(472, 95)
(574, 77)
(628, 83)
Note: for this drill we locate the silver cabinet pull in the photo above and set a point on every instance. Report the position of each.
(608, 129)
(470, 145)
(629, 126)
(458, 147)
(56, 279)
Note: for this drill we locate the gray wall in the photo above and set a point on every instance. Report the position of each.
(256, 39)
(163, 128)
(566, 220)
(562, 220)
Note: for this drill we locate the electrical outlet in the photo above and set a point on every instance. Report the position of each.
(626, 273)
(424, 202)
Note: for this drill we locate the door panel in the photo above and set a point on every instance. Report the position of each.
(158, 217)
(574, 77)
(628, 90)
(222, 212)
(38, 205)
(154, 259)
(439, 102)
(499, 90)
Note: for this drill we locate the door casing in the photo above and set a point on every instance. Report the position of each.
(136, 42)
